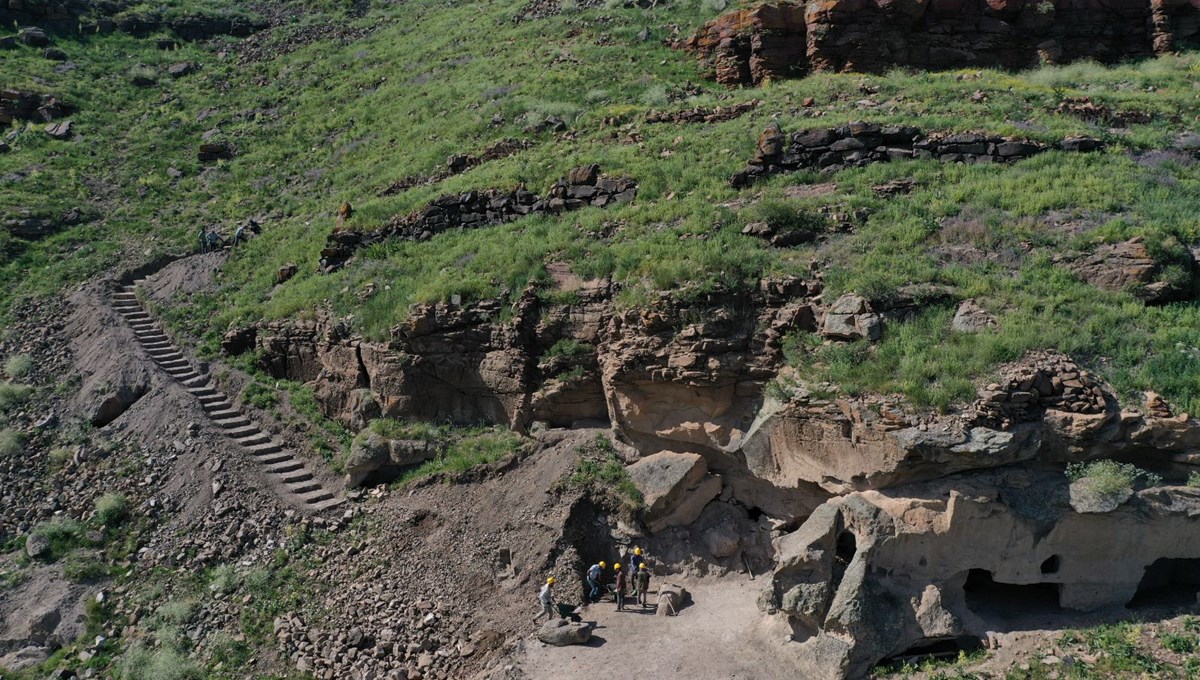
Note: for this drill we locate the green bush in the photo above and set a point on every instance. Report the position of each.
(164, 663)
(223, 579)
(1180, 643)
(81, 567)
(1193, 479)
(18, 366)
(12, 395)
(1110, 477)
(64, 535)
(11, 442)
(601, 472)
(260, 396)
(112, 509)
(467, 449)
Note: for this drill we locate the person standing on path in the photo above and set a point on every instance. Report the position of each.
(203, 239)
(622, 586)
(643, 583)
(594, 574)
(546, 597)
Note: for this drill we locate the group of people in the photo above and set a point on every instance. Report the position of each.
(211, 241)
(600, 580)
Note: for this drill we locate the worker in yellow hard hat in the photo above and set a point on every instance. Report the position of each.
(642, 581)
(546, 598)
(594, 575)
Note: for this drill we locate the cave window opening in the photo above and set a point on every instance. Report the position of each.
(1050, 566)
(989, 598)
(1168, 581)
(843, 554)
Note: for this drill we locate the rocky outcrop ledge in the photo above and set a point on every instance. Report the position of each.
(582, 187)
(857, 144)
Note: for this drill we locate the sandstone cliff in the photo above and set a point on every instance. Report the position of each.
(784, 39)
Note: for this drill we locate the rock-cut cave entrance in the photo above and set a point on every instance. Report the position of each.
(1009, 604)
(1168, 582)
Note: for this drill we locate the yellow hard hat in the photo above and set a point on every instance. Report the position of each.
(602, 564)
(550, 581)
(637, 551)
(617, 565)
(642, 565)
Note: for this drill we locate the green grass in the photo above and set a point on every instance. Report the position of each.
(18, 366)
(602, 474)
(112, 510)
(1108, 477)
(330, 122)
(12, 396)
(470, 449)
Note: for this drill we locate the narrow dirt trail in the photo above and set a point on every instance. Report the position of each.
(285, 471)
(718, 636)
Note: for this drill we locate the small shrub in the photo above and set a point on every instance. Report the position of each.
(1194, 479)
(260, 396)
(64, 535)
(12, 396)
(59, 457)
(785, 218)
(18, 366)
(166, 663)
(223, 579)
(1110, 477)
(603, 474)
(82, 567)
(10, 442)
(112, 509)
(1179, 643)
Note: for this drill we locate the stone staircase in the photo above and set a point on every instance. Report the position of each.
(293, 479)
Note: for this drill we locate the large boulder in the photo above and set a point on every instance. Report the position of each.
(675, 488)
(107, 406)
(851, 318)
(561, 632)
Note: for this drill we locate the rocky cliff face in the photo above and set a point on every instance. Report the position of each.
(783, 39)
(871, 575)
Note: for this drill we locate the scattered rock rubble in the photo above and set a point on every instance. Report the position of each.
(583, 186)
(701, 114)
(19, 105)
(857, 144)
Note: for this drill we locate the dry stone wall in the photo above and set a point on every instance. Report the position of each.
(784, 39)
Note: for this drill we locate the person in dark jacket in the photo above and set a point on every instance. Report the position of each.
(622, 586)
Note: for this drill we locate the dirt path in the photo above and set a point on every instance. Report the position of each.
(718, 636)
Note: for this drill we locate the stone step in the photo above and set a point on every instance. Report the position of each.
(304, 487)
(331, 502)
(215, 402)
(161, 355)
(296, 476)
(201, 388)
(315, 496)
(232, 422)
(276, 458)
(225, 414)
(290, 465)
(248, 430)
(183, 376)
(169, 364)
(265, 449)
(249, 440)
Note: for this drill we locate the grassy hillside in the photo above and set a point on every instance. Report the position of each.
(391, 90)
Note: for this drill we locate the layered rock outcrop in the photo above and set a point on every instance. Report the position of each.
(858, 144)
(784, 39)
(874, 574)
(583, 186)
(91, 16)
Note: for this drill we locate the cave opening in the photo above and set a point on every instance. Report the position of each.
(1003, 602)
(938, 648)
(1051, 565)
(1168, 581)
(843, 553)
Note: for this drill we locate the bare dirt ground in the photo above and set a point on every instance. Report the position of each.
(718, 636)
